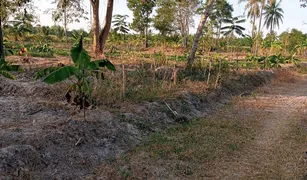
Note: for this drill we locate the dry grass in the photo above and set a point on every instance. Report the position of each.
(258, 137)
(187, 151)
(285, 76)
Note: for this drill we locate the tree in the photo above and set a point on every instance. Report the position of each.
(292, 39)
(199, 32)
(233, 27)
(164, 20)
(221, 10)
(184, 13)
(100, 37)
(120, 24)
(253, 11)
(7, 8)
(106, 30)
(68, 11)
(273, 15)
(142, 10)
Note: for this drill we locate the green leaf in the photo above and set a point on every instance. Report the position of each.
(94, 65)
(61, 74)
(86, 88)
(7, 74)
(79, 56)
(45, 72)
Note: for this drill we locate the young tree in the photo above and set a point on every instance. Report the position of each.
(120, 24)
(203, 20)
(233, 27)
(142, 10)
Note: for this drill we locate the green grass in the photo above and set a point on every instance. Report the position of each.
(62, 52)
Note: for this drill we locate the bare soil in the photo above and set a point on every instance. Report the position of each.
(43, 137)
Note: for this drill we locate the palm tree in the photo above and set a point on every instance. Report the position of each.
(233, 27)
(273, 15)
(253, 7)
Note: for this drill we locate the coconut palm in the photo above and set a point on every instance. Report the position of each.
(253, 12)
(273, 15)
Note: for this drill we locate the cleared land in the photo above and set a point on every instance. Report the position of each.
(262, 136)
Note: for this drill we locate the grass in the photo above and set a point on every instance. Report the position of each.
(186, 151)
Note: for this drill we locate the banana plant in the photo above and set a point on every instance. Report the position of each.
(83, 69)
(6, 68)
(275, 60)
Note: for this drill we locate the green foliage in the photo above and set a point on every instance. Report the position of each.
(120, 24)
(273, 15)
(293, 40)
(141, 12)
(6, 68)
(72, 10)
(233, 27)
(41, 50)
(61, 52)
(18, 29)
(164, 20)
(82, 70)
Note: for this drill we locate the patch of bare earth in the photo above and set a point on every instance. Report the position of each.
(277, 152)
(263, 136)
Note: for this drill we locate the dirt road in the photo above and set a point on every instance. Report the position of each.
(277, 152)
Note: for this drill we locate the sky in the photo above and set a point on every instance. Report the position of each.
(294, 15)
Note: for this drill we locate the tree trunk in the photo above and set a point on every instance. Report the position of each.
(146, 37)
(199, 33)
(259, 27)
(65, 24)
(253, 34)
(218, 35)
(96, 26)
(1, 43)
(185, 41)
(105, 32)
(146, 32)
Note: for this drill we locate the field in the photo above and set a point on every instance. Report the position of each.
(154, 119)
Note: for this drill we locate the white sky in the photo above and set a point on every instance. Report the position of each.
(294, 15)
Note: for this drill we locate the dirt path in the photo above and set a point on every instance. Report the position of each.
(276, 152)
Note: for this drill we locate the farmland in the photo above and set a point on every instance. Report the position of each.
(126, 102)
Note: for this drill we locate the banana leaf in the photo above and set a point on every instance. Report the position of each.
(61, 74)
(7, 74)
